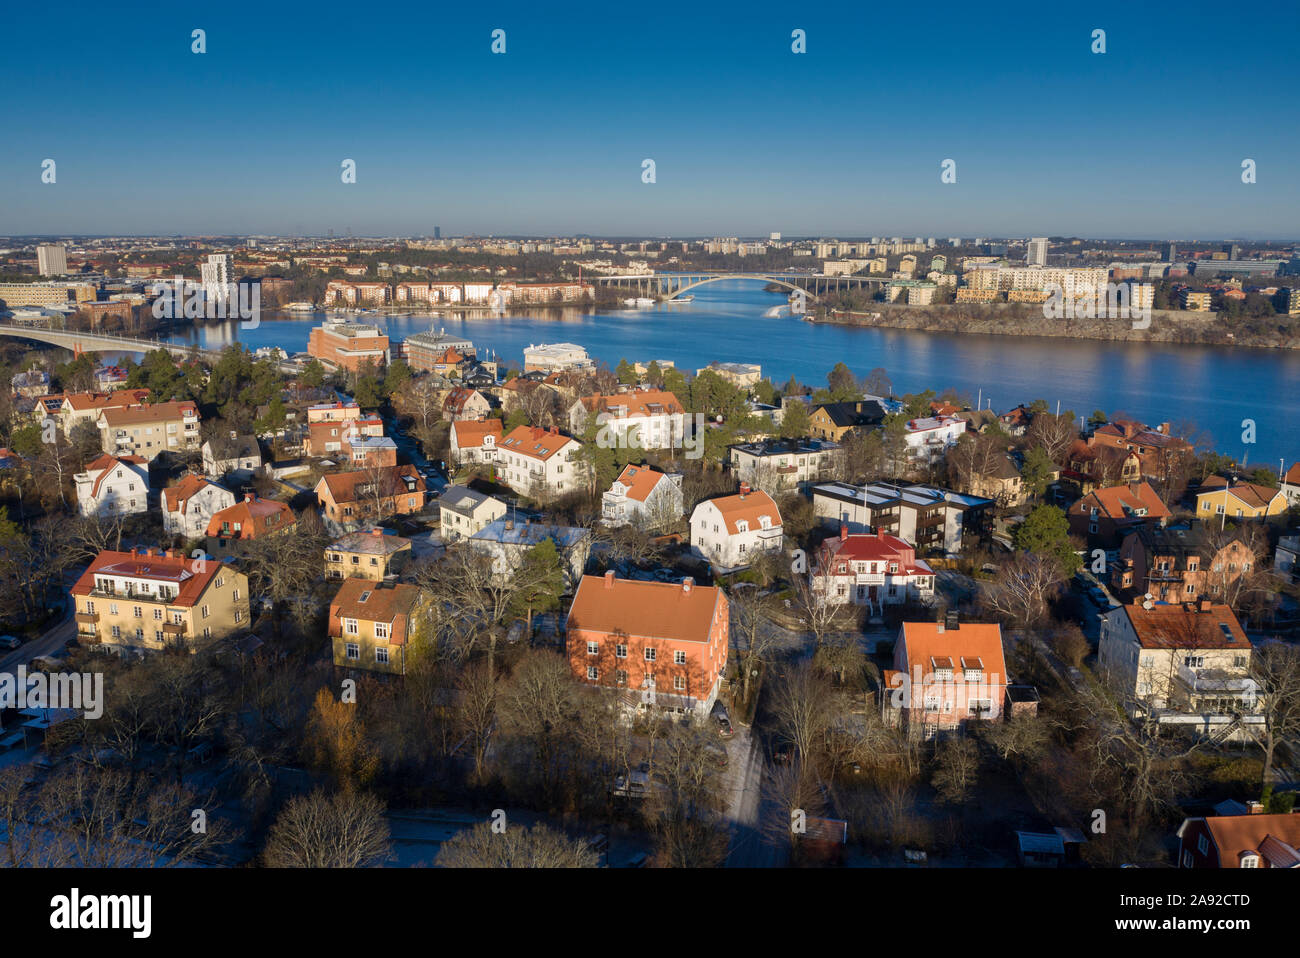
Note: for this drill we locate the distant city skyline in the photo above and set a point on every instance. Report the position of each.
(746, 136)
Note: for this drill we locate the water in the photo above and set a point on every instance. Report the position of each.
(1215, 388)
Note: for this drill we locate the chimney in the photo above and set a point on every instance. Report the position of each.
(952, 620)
(1163, 428)
(844, 531)
(1203, 604)
(687, 584)
(250, 496)
(744, 489)
(609, 579)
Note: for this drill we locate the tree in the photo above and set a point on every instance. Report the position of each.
(957, 765)
(1023, 589)
(336, 743)
(626, 373)
(1046, 531)
(477, 714)
(803, 707)
(1276, 667)
(843, 384)
(540, 581)
(751, 633)
(313, 374)
(878, 383)
(1036, 471)
(795, 421)
(517, 846)
(1052, 433)
(344, 830)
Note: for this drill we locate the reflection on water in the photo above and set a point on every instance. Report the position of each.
(1214, 387)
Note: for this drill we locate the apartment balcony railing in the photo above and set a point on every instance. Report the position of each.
(87, 618)
(175, 628)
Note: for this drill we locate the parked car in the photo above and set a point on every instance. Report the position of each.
(723, 720)
(10, 642)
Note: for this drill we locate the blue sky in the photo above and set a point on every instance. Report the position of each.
(1145, 140)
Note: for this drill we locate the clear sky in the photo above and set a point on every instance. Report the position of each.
(1145, 140)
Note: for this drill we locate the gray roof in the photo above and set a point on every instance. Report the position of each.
(461, 499)
(527, 533)
(370, 542)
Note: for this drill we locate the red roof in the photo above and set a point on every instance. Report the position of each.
(873, 547)
(533, 442)
(104, 465)
(640, 481)
(252, 517)
(653, 610)
(190, 576)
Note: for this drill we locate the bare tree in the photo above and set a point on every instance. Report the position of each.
(1052, 433)
(957, 765)
(1276, 667)
(477, 713)
(518, 846)
(803, 706)
(752, 633)
(344, 830)
(1023, 589)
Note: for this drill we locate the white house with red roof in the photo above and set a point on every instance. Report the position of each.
(931, 437)
(541, 463)
(731, 531)
(1290, 485)
(871, 570)
(643, 497)
(638, 418)
(191, 503)
(945, 674)
(113, 486)
(474, 441)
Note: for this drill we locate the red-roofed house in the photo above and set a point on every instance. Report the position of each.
(370, 624)
(1290, 485)
(370, 495)
(1240, 841)
(113, 486)
(870, 569)
(1104, 515)
(190, 504)
(150, 599)
(253, 518)
(474, 441)
(643, 497)
(731, 530)
(146, 430)
(541, 463)
(945, 674)
(663, 643)
(1188, 664)
(640, 418)
(465, 403)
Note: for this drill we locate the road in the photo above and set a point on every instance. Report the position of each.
(54, 639)
(746, 807)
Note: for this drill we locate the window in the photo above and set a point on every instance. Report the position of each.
(1250, 861)
(206, 611)
(381, 655)
(593, 648)
(649, 655)
(620, 676)
(157, 613)
(117, 631)
(350, 627)
(1203, 845)
(679, 683)
(620, 651)
(239, 615)
(353, 651)
(157, 635)
(139, 612)
(593, 673)
(381, 630)
(1194, 661)
(679, 658)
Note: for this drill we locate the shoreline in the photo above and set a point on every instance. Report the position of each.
(1168, 327)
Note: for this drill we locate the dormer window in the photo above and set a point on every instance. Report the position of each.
(742, 526)
(1250, 861)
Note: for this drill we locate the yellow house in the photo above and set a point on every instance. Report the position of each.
(1244, 500)
(368, 554)
(370, 625)
(150, 599)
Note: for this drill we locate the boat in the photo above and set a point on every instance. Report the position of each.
(644, 301)
(629, 301)
(688, 298)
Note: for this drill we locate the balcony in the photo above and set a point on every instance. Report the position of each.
(87, 618)
(175, 628)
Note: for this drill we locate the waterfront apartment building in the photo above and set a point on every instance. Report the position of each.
(46, 294)
(742, 375)
(556, 357)
(348, 345)
(147, 600)
(426, 352)
(661, 645)
(352, 293)
(146, 430)
(1074, 282)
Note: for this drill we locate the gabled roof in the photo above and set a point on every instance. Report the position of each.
(105, 464)
(469, 433)
(1275, 838)
(1249, 493)
(80, 402)
(254, 516)
(637, 402)
(1123, 502)
(651, 610)
(342, 486)
(130, 415)
(534, 443)
(928, 642)
(178, 497)
(639, 481)
(748, 508)
(370, 542)
(872, 547)
(370, 601)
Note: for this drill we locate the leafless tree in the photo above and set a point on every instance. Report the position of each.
(1276, 667)
(1023, 589)
(804, 708)
(477, 712)
(957, 765)
(517, 846)
(1052, 433)
(752, 633)
(344, 830)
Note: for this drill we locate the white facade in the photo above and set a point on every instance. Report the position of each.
(541, 464)
(113, 487)
(629, 502)
(730, 532)
(930, 438)
(189, 516)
